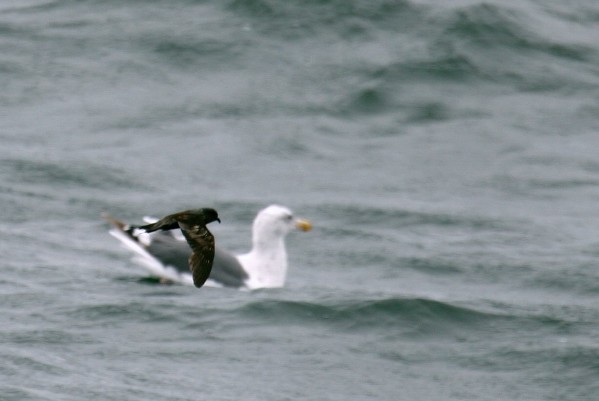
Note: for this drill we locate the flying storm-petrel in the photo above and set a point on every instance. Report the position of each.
(193, 226)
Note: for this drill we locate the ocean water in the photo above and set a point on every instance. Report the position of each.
(447, 153)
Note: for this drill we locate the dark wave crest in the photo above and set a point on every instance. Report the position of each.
(396, 217)
(415, 316)
(80, 175)
(492, 26)
(116, 313)
(300, 19)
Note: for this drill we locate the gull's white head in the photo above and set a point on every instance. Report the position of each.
(266, 263)
(276, 222)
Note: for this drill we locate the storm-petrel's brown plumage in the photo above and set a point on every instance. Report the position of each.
(193, 225)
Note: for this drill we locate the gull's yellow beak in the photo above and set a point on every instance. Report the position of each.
(302, 224)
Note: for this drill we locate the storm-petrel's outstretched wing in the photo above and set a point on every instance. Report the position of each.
(193, 225)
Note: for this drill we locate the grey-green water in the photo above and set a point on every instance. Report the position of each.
(446, 152)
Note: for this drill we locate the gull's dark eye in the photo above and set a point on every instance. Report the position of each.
(289, 217)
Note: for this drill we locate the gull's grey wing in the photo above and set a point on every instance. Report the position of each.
(170, 251)
(227, 270)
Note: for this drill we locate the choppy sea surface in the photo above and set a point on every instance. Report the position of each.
(446, 151)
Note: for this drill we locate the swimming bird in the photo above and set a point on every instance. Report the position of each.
(165, 254)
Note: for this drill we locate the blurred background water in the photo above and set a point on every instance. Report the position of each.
(446, 152)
